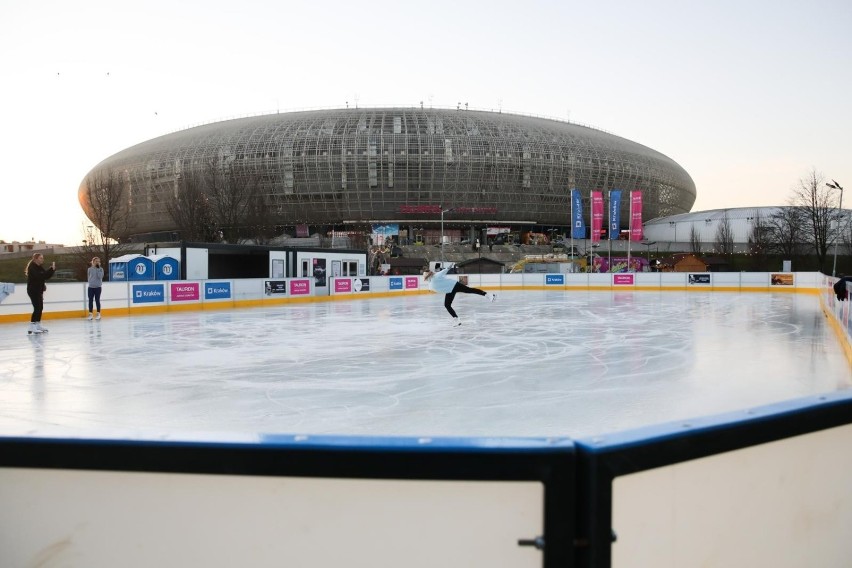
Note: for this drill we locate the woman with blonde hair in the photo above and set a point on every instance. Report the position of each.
(37, 275)
(95, 276)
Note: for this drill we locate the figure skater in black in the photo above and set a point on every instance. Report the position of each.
(440, 283)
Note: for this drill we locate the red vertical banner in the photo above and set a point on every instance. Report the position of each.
(597, 216)
(636, 232)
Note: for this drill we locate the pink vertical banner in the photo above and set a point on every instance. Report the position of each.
(636, 232)
(597, 215)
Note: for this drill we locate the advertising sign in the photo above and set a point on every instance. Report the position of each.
(777, 279)
(148, 293)
(622, 279)
(554, 279)
(271, 287)
(217, 290)
(361, 284)
(614, 214)
(578, 225)
(300, 287)
(636, 231)
(185, 291)
(698, 279)
(395, 284)
(319, 272)
(597, 216)
(411, 282)
(342, 285)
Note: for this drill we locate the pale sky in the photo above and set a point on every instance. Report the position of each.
(747, 96)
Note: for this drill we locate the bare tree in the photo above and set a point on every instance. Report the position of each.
(105, 198)
(818, 207)
(694, 240)
(785, 230)
(259, 221)
(231, 189)
(759, 235)
(189, 208)
(759, 241)
(725, 236)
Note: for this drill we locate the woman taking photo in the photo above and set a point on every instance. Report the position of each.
(37, 275)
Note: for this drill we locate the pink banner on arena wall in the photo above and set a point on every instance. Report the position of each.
(597, 215)
(636, 232)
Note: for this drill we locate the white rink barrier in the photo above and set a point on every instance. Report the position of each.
(69, 299)
(767, 486)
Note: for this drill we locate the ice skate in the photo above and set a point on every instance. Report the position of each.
(33, 329)
(40, 329)
(492, 297)
(98, 316)
(90, 317)
(456, 322)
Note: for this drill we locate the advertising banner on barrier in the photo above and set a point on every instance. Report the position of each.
(776, 279)
(148, 293)
(411, 282)
(361, 284)
(274, 287)
(395, 283)
(626, 279)
(217, 290)
(300, 287)
(554, 279)
(342, 285)
(185, 291)
(698, 279)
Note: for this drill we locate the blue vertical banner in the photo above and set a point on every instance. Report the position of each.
(578, 226)
(614, 214)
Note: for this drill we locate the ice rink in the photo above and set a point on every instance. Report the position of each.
(534, 363)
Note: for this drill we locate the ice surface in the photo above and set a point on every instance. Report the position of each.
(573, 363)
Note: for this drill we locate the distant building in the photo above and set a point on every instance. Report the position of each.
(29, 246)
(704, 225)
(421, 171)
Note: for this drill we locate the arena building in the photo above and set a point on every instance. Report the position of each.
(350, 169)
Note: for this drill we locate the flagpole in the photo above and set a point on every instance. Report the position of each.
(609, 233)
(591, 229)
(571, 226)
(630, 233)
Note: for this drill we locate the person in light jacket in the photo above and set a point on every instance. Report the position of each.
(439, 282)
(95, 274)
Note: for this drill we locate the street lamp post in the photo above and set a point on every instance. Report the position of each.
(648, 251)
(442, 233)
(836, 186)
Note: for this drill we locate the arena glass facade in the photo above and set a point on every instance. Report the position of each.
(349, 167)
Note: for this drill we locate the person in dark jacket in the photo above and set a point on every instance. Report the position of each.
(37, 275)
(840, 288)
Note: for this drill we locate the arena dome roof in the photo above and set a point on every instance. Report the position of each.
(402, 165)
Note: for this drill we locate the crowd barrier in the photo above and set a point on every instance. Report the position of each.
(765, 486)
(69, 299)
